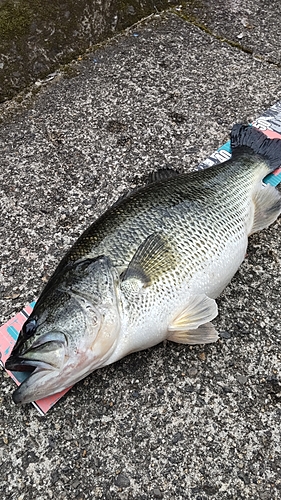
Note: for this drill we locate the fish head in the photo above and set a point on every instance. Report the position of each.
(72, 330)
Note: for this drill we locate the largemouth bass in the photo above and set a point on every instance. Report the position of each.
(149, 269)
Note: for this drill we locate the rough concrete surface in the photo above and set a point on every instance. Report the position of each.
(172, 422)
(254, 27)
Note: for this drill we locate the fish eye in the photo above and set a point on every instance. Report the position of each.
(29, 327)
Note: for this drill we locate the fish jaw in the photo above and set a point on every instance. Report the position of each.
(43, 382)
(46, 352)
(46, 380)
(34, 387)
(44, 360)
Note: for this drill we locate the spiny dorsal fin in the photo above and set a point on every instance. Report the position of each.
(153, 257)
(159, 175)
(246, 136)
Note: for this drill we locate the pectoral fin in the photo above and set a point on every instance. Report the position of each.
(192, 325)
(153, 257)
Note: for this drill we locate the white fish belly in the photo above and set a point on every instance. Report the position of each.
(219, 269)
(149, 325)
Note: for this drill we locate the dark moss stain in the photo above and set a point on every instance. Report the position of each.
(37, 37)
(15, 20)
(131, 11)
(69, 71)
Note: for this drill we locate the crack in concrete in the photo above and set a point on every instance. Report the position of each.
(198, 24)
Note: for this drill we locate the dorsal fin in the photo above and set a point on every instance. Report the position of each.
(158, 175)
(161, 174)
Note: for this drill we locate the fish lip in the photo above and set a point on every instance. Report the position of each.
(24, 393)
(23, 363)
(20, 364)
(33, 358)
(42, 362)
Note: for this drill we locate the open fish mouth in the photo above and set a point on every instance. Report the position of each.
(46, 352)
(43, 363)
(20, 364)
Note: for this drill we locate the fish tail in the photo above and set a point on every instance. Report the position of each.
(246, 136)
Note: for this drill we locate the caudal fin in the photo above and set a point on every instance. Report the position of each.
(246, 136)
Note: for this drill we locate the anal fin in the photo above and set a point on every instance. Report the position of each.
(267, 201)
(192, 325)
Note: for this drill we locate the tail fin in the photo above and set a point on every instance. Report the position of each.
(251, 137)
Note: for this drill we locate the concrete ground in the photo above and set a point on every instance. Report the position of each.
(172, 422)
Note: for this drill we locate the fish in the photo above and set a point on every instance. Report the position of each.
(149, 269)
